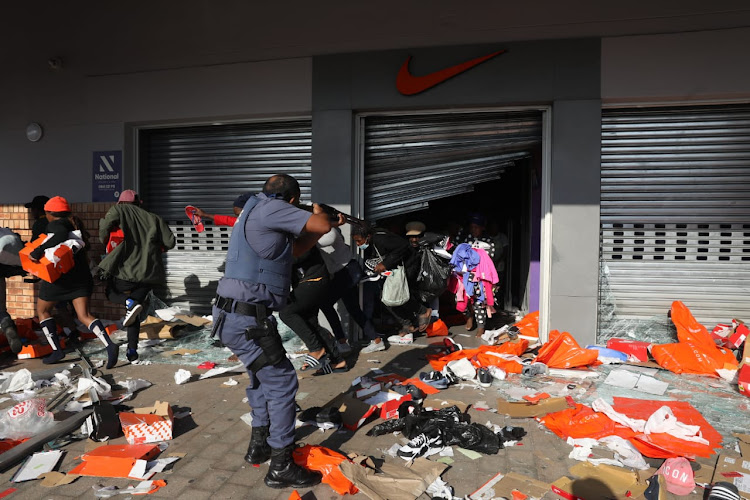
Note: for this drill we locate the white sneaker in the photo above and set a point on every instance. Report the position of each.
(131, 316)
(373, 347)
(401, 339)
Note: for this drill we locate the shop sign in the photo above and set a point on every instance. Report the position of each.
(107, 176)
(408, 84)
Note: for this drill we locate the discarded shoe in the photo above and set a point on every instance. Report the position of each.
(451, 346)
(724, 491)
(328, 415)
(484, 377)
(420, 446)
(401, 339)
(435, 379)
(534, 369)
(416, 392)
(373, 347)
(497, 373)
(449, 375)
(133, 311)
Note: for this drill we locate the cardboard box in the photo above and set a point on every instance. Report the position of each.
(733, 468)
(45, 269)
(599, 481)
(635, 349)
(148, 425)
(388, 402)
(354, 413)
(736, 339)
(743, 380)
(37, 350)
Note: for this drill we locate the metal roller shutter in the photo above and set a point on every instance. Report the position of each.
(208, 167)
(410, 160)
(675, 210)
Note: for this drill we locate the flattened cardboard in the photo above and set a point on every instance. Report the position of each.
(744, 444)
(181, 352)
(192, 320)
(155, 328)
(54, 479)
(599, 481)
(528, 410)
(394, 482)
(733, 464)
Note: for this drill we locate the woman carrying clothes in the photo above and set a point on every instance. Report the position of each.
(76, 285)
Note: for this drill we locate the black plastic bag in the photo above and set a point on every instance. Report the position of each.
(433, 276)
(474, 437)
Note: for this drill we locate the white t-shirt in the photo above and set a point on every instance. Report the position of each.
(335, 252)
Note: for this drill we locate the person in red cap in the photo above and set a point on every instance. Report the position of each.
(135, 265)
(76, 285)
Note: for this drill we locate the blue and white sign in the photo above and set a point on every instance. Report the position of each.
(107, 176)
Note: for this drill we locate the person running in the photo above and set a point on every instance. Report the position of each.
(76, 285)
(134, 266)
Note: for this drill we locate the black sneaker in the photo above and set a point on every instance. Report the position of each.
(435, 379)
(449, 375)
(328, 415)
(724, 491)
(419, 446)
(484, 377)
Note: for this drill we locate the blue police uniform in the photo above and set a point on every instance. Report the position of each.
(258, 272)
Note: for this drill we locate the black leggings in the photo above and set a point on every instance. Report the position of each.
(344, 287)
(118, 291)
(301, 315)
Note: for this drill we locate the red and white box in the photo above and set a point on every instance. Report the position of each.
(635, 349)
(148, 425)
(739, 336)
(743, 380)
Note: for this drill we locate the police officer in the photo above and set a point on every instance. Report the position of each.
(256, 282)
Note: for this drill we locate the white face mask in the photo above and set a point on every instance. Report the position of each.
(363, 246)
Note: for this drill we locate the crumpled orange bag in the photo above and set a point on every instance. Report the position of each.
(325, 461)
(437, 329)
(579, 422)
(486, 355)
(529, 324)
(696, 352)
(562, 351)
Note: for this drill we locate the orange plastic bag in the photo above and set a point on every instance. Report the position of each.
(579, 422)
(437, 329)
(438, 361)
(529, 324)
(295, 496)
(696, 352)
(562, 351)
(326, 462)
(488, 355)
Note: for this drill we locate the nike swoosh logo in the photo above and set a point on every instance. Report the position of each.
(408, 84)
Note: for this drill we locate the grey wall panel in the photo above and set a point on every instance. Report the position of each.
(575, 217)
(675, 215)
(332, 157)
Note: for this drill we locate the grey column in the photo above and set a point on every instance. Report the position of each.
(575, 197)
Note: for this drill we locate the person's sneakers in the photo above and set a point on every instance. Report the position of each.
(373, 347)
(133, 311)
(724, 491)
(8, 327)
(451, 346)
(435, 379)
(132, 355)
(420, 446)
(401, 339)
(484, 377)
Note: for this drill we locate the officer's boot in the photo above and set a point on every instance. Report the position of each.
(11, 334)
(50, 331)
(284, 473)
(259, 450)
(113, 349)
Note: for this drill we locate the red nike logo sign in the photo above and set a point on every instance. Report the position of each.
(408, 84)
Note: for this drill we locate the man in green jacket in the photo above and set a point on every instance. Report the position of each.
(134, 266)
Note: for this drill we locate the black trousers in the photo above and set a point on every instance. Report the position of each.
(301, 315)
(118, 291)
(343, 287)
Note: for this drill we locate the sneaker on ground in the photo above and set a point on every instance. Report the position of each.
(497, 373)
(484, 377)
(451, 346)
(421, 445)
(373, 347)
(131, 315)
(724, 491)
(435, 379)
(401, 339)
(449, 375)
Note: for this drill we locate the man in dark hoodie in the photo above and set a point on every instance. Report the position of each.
(134, 266)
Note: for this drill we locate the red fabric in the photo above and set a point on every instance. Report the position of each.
(562, 351)
(224, 220)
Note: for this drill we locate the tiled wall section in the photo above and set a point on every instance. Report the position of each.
(21, 296)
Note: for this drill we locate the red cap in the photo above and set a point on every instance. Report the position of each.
(678, 475)
(57, 204)
(127, 196)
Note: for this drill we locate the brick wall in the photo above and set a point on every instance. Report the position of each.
(21, 296)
